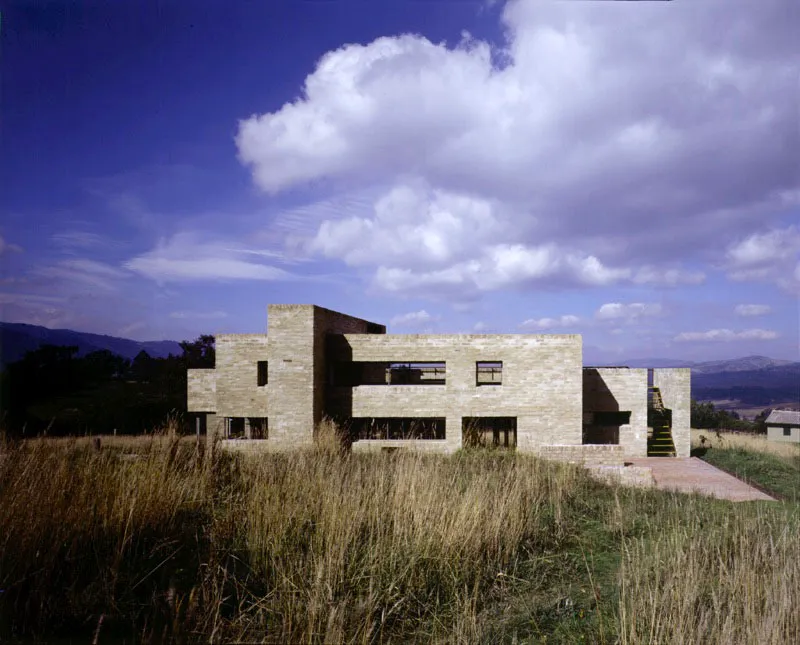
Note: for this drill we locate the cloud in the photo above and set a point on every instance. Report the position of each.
(6, 247)
(413, 318)
(550, 323)
(767, 256)
(628, 312)
(81, 273)
(196, 315)
(752, 310)
(726, 335)
(588, 170)
(186, 257)
(80, 240)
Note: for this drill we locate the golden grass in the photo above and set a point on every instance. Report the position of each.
(324, 546)
(745, 441)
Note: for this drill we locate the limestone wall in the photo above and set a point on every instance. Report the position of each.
(675, 387)
(606, 455)
(201, 390)
(238, 393)
(620, 389)
(542, 382)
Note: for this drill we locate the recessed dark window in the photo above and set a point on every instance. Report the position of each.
(263, 372)
(787, 432)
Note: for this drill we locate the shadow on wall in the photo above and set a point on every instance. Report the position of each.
(602, 417)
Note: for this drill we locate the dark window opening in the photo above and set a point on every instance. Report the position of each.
(489, 432)
(489, 373)
(263, 373)
(362, 428)
(787, 432)
(388, 373)
(259, 428)
(234, 428)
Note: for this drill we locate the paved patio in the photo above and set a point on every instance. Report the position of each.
(693, 474)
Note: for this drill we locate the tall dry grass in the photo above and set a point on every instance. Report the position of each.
(732, 582)
(745, 441)
(324, 546)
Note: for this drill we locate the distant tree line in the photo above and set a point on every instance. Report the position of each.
(52, 390)
(707, 417)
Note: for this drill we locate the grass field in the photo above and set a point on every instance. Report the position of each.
(771, 465)
(148, 540)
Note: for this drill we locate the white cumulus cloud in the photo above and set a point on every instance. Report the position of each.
(629, 312)
(554, 156)
(413, 318)
(567, 320)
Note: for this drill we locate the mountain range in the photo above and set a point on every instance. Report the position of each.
(18, 338)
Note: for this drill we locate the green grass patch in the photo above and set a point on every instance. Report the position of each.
(776, 475)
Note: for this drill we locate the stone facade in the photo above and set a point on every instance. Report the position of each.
(611, 390)
(674, 384)
(286, 382)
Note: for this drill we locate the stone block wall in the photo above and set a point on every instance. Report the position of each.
(596, 455)
(238, 393)
(675, 385)
(201, 390)
(608, 389)
(541, 383)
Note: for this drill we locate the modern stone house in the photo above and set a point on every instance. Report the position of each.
(783, 425)
(433, 392)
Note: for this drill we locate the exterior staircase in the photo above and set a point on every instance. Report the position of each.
(660, 443)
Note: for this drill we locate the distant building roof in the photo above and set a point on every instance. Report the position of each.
(784, 417)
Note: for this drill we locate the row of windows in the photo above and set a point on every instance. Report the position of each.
(383, 373)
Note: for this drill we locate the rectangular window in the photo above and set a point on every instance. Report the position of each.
(489, 432)
(262, 373)
(397, 428)
(787, 432)
(235, 428)
(259, 427)
(388, 373)
(489, 373)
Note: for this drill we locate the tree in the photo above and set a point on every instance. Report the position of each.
(200, 353)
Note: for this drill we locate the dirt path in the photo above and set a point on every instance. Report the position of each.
(693, 474)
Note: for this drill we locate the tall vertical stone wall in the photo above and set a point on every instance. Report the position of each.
(201, 390)
(675, 386)
(238, 392)
(291, 374)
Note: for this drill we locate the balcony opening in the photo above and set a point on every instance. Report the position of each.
(489, 432)
(489, 373)
(407, 428)
(603, 427)
(263, 373)
(388, 373)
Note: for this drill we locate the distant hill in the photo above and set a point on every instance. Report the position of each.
(750, 380)
(18, 338)
(745, 364)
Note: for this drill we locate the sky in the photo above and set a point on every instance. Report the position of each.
(629, 171)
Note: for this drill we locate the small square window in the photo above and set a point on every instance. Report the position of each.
(489, 373)
(787, 432)
(262, 373)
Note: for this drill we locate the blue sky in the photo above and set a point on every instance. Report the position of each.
(628, 171)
